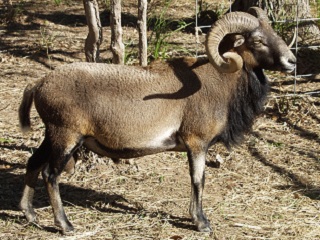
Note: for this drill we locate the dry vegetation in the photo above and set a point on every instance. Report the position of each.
(268, 188)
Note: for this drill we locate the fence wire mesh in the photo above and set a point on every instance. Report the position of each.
(297, 21)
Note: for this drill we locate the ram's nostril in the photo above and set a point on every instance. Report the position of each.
(292, 61)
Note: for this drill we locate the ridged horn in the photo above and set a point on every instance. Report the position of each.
(259, 13)
(235, 22)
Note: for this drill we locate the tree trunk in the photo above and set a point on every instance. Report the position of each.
(304, 12)
(117, 46)
(9, 10)
(94, 37)
(142, 25)
(7, 3)
(244, 5)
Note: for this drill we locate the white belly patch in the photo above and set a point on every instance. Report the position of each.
(164, 139)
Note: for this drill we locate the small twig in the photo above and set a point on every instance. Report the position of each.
(81, 235)
(33, 224)
(247, 226)
(297, 94)
(70, 203)
(254, 237)
(4, 107)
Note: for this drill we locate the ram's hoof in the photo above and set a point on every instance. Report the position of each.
(205, 229)
(29, 213)
(204, 226)
(66, 228)
(68, 232)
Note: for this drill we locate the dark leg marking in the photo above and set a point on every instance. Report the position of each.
(58, 160)
(35, 163)
(197, 159)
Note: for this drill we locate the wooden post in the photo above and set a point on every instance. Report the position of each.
(94, 37)
(142, 25)
(117, 46)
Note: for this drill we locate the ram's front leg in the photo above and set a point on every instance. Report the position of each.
(197, 161)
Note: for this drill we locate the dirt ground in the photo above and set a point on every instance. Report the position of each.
(267, 188)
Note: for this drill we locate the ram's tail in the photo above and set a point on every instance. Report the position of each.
(25, 107)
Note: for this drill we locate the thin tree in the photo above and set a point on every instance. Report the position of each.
(9, 10)
(7, 3)
(117, 46)
(94, 38)
(142, 25)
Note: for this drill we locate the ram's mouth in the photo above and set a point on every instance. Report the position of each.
(288, 65)
(288, 69)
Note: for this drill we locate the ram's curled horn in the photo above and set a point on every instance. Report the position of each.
(259, 13)
(235, 22)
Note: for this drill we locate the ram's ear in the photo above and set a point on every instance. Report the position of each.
(238, 40)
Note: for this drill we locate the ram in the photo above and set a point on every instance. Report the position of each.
(186, 104)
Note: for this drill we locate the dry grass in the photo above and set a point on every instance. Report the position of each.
(268, 188)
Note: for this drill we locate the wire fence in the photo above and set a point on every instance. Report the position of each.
(295, 47)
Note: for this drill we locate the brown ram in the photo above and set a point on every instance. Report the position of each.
(185, 104)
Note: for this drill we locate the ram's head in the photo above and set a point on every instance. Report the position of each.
(240, 39)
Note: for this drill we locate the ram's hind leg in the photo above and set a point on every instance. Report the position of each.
(64, 145)
(71, 165)
(35, 163)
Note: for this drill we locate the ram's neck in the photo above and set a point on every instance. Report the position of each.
(247, 102)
